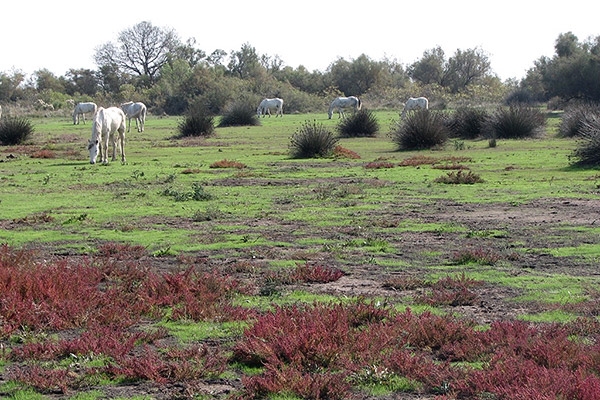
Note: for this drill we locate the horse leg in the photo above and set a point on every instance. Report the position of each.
(122, 143)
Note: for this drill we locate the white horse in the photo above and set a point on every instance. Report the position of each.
(342, 103)
(137, 111)
(415, 103)
(265, 107)
(81, 109)
(108, 122)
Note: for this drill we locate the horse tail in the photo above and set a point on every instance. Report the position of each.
(359, 103)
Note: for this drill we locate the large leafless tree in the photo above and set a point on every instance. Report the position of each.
(141, 50)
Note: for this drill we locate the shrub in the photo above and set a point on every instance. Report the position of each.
(460, 177)
(516, 121)
(227, 164)
(15, 130)
(587, 152)
(575, 117)
(196, 122)
(311, 140)
(468, 123)
(423, 129)
(361, 124)
(342, 152)
(240, 113)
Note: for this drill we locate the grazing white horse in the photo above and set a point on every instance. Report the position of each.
(81, 109)
(137, 111)
(342, 103)
(415, 103)
(265, 107)
(108, 122)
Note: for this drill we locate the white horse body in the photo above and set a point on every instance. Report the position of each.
(341, 103)
(265, 107)
(81, 109)
(137, 111)
(415, 103)
(108, 122)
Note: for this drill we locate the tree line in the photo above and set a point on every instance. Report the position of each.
(152, 64)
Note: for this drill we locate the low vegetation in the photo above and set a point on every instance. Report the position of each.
(362, 123)
(15, 130)
(225, 268)
(196, 122)
(240, 113)
(312, 139)
(587, 152)
(420, 130)
(518, 121)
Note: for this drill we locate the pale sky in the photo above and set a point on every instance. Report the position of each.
(59, 35)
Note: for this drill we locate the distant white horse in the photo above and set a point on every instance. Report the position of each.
(108, 122)
(137, 111)
(81, 109)
(341, 103)
(415, 103)
(265, 107)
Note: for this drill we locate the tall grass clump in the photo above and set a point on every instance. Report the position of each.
(422, 129)
(196, 122)
(361, 124)
(312, 140)
(468, 122)
(15, 130)
(240, 113)
(575, 117)
(518, 121)
(587, 152)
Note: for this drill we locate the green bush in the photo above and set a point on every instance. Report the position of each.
(575, 117)
(196, 122)
(15, 130)
(362, 123)
(468, 123)
(422, 129)
(312, 140)
(518, 121)
(587, 152)
(240, 113)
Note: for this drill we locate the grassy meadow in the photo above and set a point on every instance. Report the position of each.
(236, 200)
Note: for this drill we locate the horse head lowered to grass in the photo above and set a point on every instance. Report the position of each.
(108, 122)
(341, 103)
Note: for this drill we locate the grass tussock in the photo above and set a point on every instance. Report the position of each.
(518, 121)
(312, 140)
(196, 122)
(587, 152)
(362, 123)
(240, 113)
(15, 130)
(420, 130)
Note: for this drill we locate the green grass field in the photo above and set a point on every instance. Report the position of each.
(528, 232)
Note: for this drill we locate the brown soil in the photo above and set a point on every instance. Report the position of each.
(505, 229)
